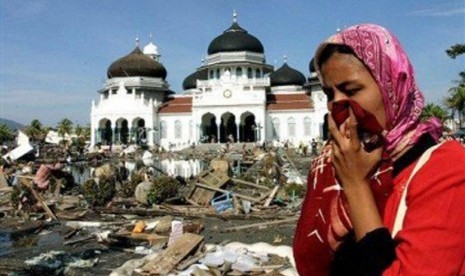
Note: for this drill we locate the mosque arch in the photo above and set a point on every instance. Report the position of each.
(239, 72)
(105, 132)
(122, 131)
(228, 128)
(208, 128)
(139, 131)
(248, 128)
(249, 73)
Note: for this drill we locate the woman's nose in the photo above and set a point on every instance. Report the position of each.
(338, 95)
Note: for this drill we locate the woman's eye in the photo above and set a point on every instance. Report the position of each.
(353, 91)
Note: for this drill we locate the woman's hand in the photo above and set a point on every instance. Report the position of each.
(352, 163)
(354, 167)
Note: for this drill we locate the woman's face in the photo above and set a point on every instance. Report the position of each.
(346, 77)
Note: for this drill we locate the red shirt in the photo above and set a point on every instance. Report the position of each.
(432, 239)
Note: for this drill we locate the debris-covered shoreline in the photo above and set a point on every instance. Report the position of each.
(207, 210)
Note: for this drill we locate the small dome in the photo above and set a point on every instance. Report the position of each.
(191, 80)
(311, 66)
(136, 64)
(286, 75)
(235, 39)
(151, 49)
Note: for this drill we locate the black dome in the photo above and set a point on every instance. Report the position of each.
(136, 64)
(235, 39)
(191, 80)
(286, 75)
(311, 66)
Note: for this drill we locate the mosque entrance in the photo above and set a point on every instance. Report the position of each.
(209, 129)
(139, 131)
(228, 130)
(122, 131)
(248, 128)
(105, 133)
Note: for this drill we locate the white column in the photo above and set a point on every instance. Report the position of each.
(238, 126)
(218, 125)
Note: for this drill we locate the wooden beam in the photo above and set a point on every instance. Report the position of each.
(226, 191)
(240, 181)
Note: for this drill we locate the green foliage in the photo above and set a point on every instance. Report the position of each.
(295, 189)
(456, 101)
(455, 50)
(99, 194)
(128, 189)
(434, 110)
(36, 131)
(64, 127)
(163, 188)
(6, 134)
(22, 196)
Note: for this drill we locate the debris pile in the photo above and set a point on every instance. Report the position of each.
(178, 209)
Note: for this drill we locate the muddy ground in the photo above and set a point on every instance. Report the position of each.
(38, 237)
(22, 240)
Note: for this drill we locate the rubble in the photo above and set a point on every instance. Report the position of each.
(178, 210)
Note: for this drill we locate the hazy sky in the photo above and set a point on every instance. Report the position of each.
(54, 54)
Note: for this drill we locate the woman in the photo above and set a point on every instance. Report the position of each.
(384, 198)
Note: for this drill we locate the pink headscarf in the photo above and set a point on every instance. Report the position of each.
(383, 55)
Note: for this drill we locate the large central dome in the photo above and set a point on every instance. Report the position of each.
(136, 64)
(235, 39)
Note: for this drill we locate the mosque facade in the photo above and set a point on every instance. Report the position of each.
(235, 96)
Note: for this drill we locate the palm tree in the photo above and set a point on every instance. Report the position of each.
(456, 101)
(64, 127)
(434, 110)
(35, 130)
(6, 134)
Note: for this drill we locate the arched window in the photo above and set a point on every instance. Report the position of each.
(212, 74)
(217, 73)
(291, 127)
(239, 72)
(249, 73)
(307, 126)
(177, 129)
(163, 129)
(276, 128)
(257, 74)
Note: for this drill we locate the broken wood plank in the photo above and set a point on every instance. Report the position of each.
(167, 260)
(185, 264)
(195, 213)
(226, 191)
(271, 196)
(38, 197)
(213, 179)
(240, 181)
(3, 182)
(151, 238)
(84, 239)
(258, 225)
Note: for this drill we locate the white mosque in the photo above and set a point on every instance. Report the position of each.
(234, 96)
